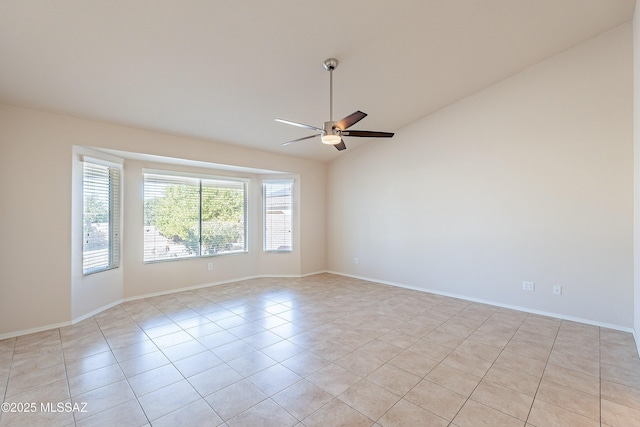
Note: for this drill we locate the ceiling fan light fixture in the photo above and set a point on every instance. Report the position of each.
(330, 139)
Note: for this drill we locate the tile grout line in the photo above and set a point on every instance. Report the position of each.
(492, 363)
(171, 362)
(543, 371)
(359, 381)
(315, 319)
(210, 350)
(600, 373)
(120, 367)
(6, 385)
(438, 364)
(66, 373)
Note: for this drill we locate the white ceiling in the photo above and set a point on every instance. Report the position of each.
(224, 69)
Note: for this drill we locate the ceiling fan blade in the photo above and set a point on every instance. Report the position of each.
(299, 139)
(300, 125)
(341, 146)
(368, 134)
(350, 120)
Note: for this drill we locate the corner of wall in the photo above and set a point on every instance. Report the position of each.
(636, 150)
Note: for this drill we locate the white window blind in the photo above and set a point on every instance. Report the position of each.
(278, 214)
(101, 217)
(223, 216)
(186, 216)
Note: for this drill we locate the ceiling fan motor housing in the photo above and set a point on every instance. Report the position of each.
(331, 129)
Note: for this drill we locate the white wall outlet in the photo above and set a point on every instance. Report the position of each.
(557, 290)
(356, 260)
(528, 286)
(210, 266)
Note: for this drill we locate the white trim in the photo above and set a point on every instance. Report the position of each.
(103, 162)
(178, 174)
(368, 279)
(120, 301)
(94, 312)
(34, 330)
(314, 273)
(142, 157)
(188, 288)
(284, 276)
(482, 301)
(279, 181)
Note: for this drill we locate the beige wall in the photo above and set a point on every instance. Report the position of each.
(530, 179)
(40, 283)
(636, 145)
(35, 221)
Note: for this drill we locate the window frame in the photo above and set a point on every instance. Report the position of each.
(200, 178)
(114, 176)
(265, 233)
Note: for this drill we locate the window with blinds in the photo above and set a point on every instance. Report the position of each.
(278, 214)
(101, 217)
(187, 216)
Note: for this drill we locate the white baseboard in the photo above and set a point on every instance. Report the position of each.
(284, 276)
(153, 294)
(94, 312)
(314, 273)
(34, 330)
(188, 288)
(369, 279)
(497, 304)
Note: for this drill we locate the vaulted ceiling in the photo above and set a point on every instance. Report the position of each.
(222, 70)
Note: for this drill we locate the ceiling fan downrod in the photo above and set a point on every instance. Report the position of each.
(330, 65)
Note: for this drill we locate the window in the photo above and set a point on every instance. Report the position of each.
(191, 216)
(101, 216)
(278, 209)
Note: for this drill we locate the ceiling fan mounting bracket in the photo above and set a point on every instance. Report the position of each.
(330, 64)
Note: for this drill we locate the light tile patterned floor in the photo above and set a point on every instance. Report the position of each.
(320, 351)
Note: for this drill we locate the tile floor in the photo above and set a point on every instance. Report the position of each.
(319, 351)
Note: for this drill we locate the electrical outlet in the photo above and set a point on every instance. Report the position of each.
(557, 290)
(528, 286)
(210, 266)
(356, 260)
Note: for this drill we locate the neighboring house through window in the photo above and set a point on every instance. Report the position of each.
(278, 214)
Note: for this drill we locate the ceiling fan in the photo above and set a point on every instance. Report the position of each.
(332, 132)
